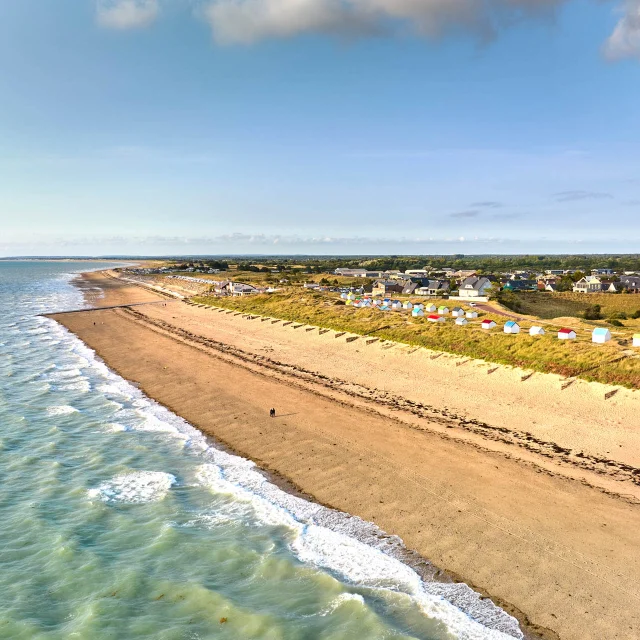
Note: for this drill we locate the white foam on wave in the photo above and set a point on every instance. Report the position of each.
(82, 385)
(61, 410)
(339, 600)
(137, 487)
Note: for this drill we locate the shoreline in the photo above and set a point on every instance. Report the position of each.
(243, 448)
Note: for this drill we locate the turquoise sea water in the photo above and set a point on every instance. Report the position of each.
(119, 520)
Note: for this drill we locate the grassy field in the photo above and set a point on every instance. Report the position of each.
(611, 363)
(568, 304)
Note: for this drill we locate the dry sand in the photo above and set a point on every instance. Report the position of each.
(431, 451)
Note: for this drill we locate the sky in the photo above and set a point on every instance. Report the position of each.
(163, 127)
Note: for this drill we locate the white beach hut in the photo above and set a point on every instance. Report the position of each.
(536, 331)
(407, 305)
(377, 302)
(461, 321)
(417, 312)
(430, 308)
(472, 314)
(435, 318)
(566, 334)
(396, 305)
(601, 335)
(457, 312)
(418, 305)
(443, 311)
(344, 296)
(488, 324)
(511, 327)
(636, 340)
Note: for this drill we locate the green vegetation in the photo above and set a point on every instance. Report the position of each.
(602, 363)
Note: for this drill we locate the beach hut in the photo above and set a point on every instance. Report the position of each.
(488, 324)
(472, 314)
(636, 340)
(536, 331)
(417, 313)
(351, 296)
(343, 296)
(377, 303)
(418, 305)
(435, 318)
(384, 307)
(511, 327)
(443, 311)
(430, 308)
(457, 312)
(461, 321)
(566, 334)
(601, 335)
(396, 305)
(407, 305)
(387, 301)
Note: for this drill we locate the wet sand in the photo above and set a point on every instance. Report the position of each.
(565, 553)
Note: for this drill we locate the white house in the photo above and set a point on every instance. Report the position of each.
(567, 334)
(636, 340)
(536, 331)
(430, 308)
(488, 324)
(601, 335)
(435, 318)
(417, 312)
(461, 321)
(472, 314)
(511, 327)
(457, 312)
(418, 305)
(443, 311)
(407, 305)
(474, 287)
(588, 284)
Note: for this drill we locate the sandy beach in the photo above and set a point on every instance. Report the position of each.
(525, 486)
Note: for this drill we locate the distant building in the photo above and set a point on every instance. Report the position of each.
(384, 287)
(474, 287)
(588, 284)
(433, 288)
(521, 285)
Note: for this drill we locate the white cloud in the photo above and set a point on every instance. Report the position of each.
(246, 21)
(624, 42)
(126, 14)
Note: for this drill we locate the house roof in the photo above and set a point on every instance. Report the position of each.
(488, 321)
(566, 331)
(511, 323)
(434, 317)
(473, 282)
(601, 330)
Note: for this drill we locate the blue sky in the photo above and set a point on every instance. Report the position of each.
(319, 126)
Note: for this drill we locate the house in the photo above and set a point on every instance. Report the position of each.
(461, 321)
(434, 318)
(237, 288)
(474, 287)
(384, 287)
(551, 286)
(409, 288)
(521, 285)
(601, 335)
(632, 283)
(430, 308)
(457, 312)
(311, 285)
(407, 305)
(417, 312)
(472, 314)
(511, 327)
(433, 288)
(536, 331)
(488, 324)
(443, 311)
(464, 273)
(567, 334)
(588, 284)
(636, 340)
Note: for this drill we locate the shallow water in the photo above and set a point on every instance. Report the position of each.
(119, 520)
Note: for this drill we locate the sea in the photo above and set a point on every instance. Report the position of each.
(119, 520)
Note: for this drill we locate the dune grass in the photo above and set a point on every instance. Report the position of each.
(608, 363)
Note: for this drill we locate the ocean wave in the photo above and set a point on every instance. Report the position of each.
(61, 410)
(137, 487)
(341, 599)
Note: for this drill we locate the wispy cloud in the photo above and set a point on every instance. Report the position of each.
(465, 214)
(246, 21)
(624, 42)
(487, 204)
(126, 14)
(574, 196)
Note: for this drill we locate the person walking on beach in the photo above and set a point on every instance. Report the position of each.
(272, 413)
